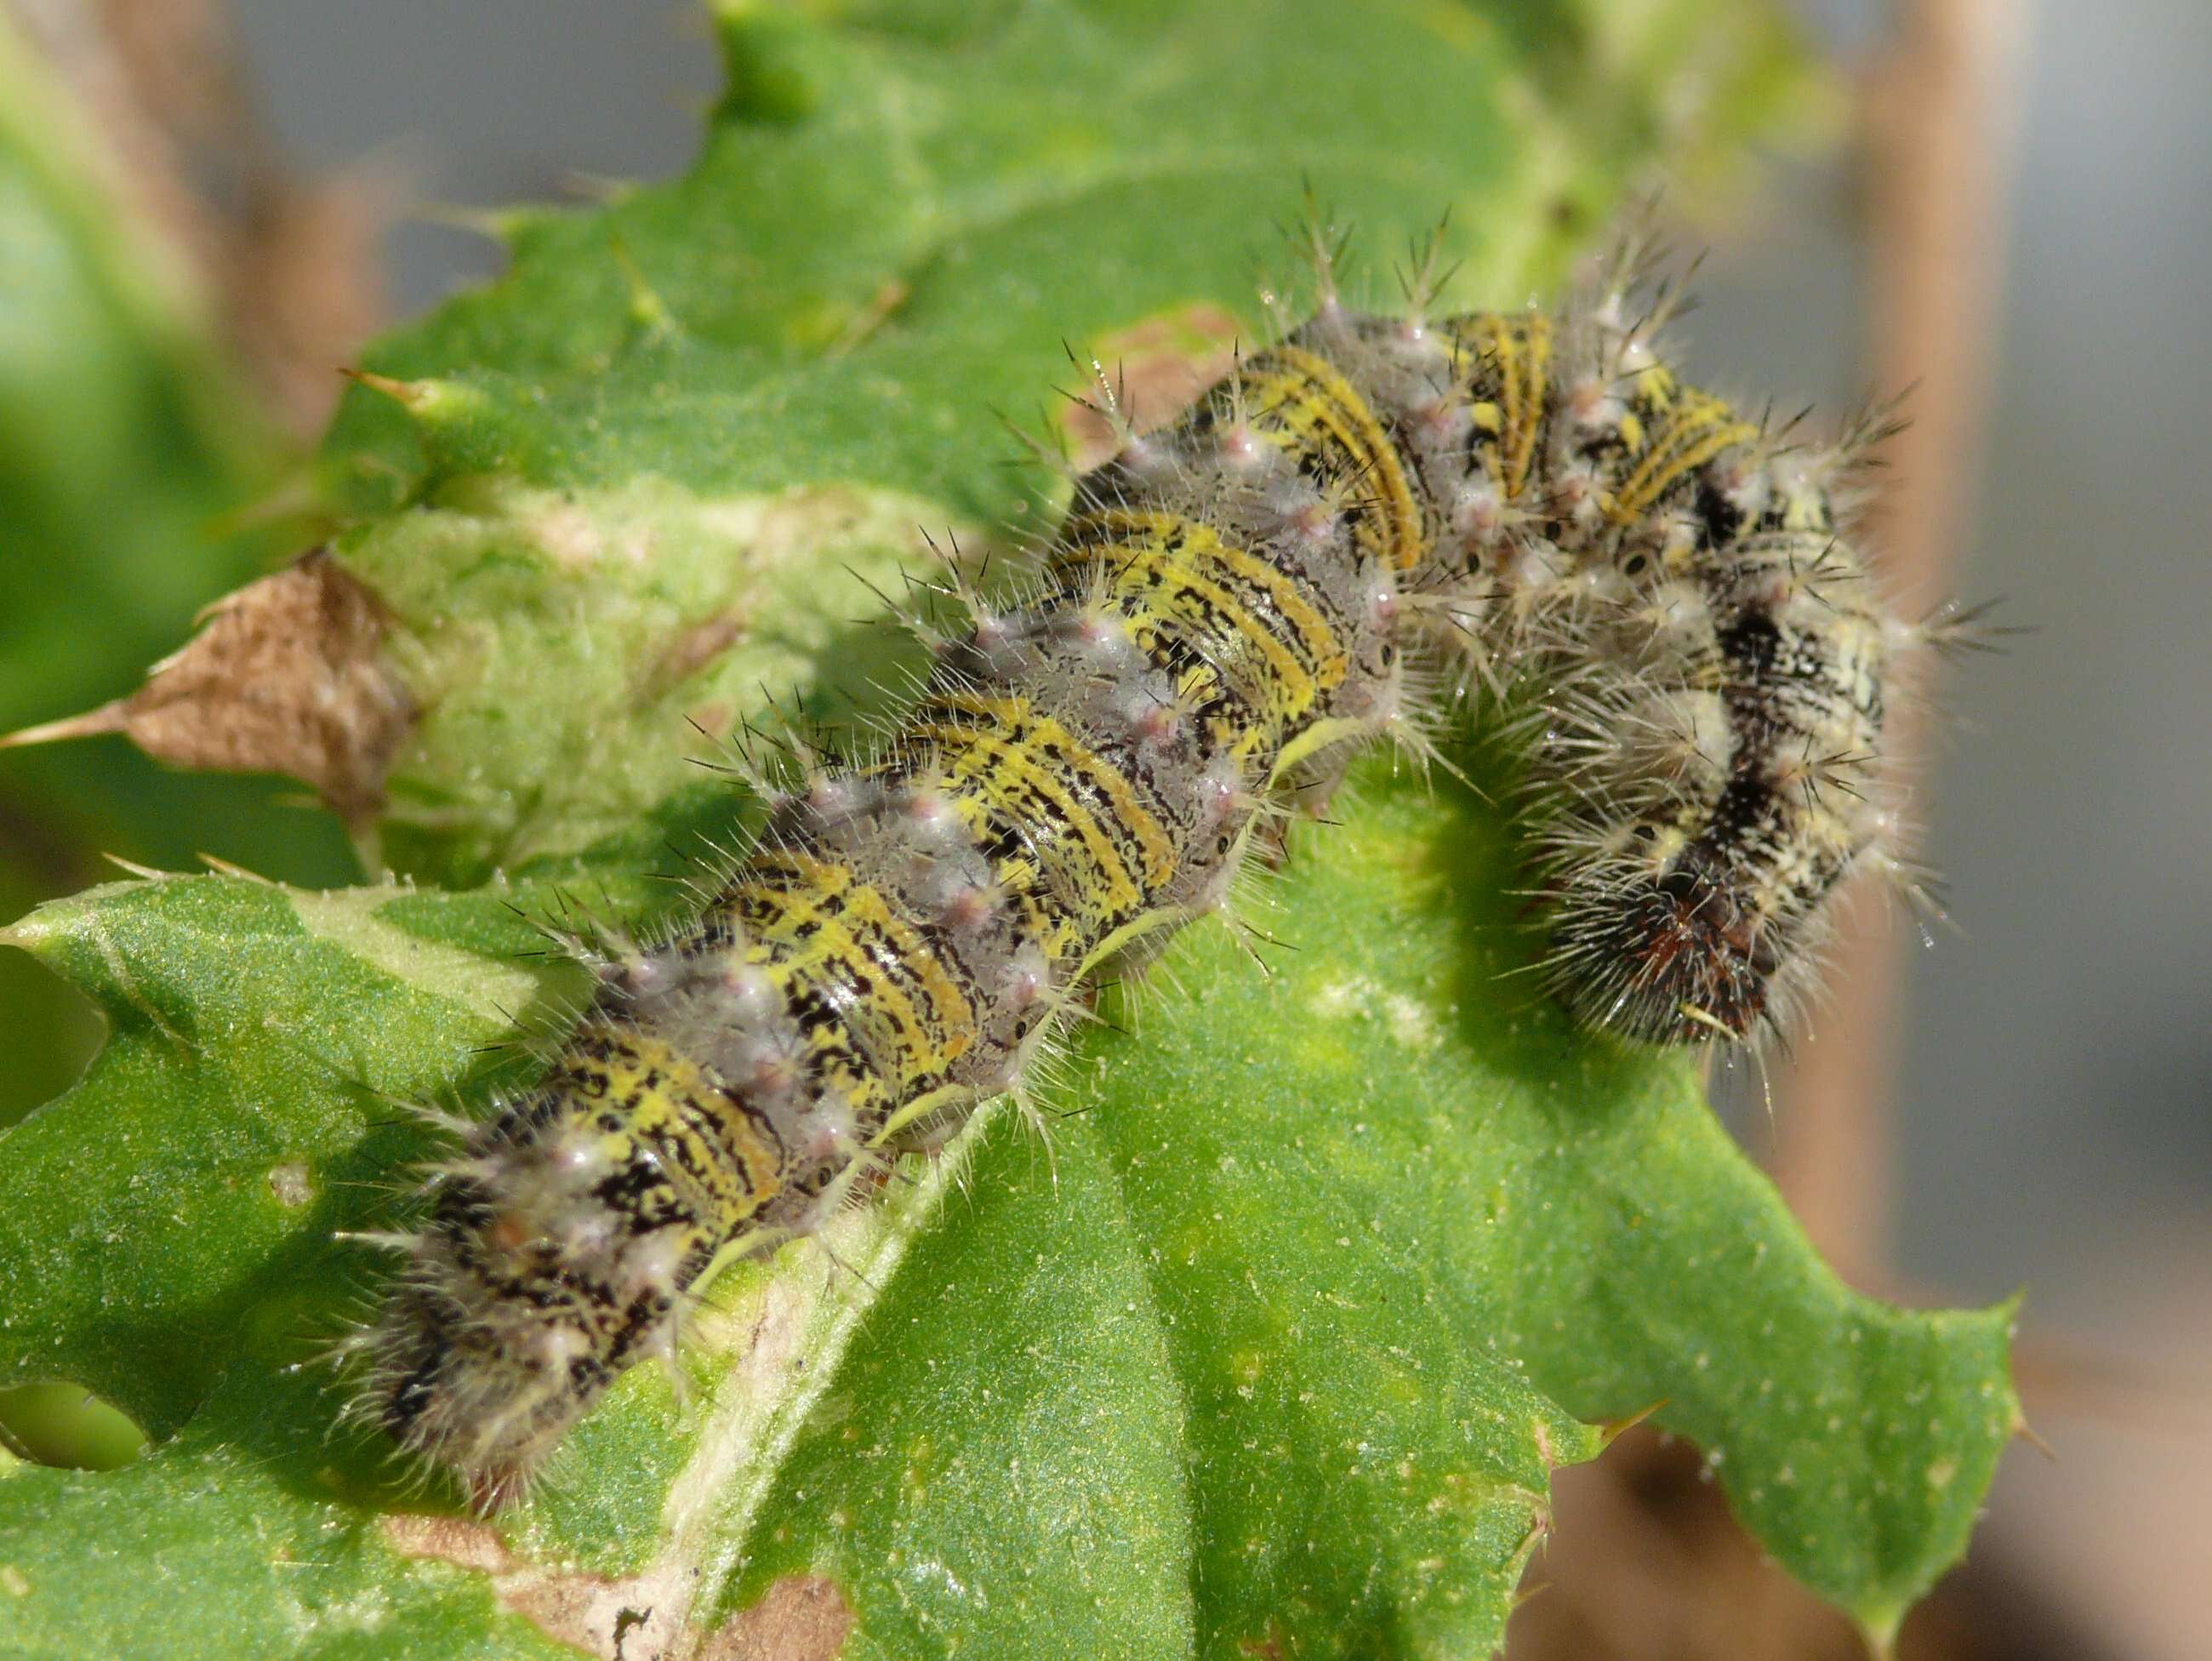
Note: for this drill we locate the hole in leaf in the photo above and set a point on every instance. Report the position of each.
(67, 1425)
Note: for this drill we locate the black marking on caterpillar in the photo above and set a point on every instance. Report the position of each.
(1659, 595)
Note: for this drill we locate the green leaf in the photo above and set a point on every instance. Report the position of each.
(686, 416)
(1088, 1383)
(1272, 1347)
(1267, 1322)
(1582, 1206)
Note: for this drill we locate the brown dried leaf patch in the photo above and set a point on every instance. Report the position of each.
(640, 1617)
(287, 675)
(1158, 367)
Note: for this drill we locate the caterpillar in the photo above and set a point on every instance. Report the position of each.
(1654, 592)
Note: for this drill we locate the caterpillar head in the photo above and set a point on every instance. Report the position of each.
(1667, 957)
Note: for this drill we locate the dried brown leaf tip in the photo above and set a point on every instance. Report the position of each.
(287, 675)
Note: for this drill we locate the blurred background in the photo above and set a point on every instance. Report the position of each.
(2022, 222)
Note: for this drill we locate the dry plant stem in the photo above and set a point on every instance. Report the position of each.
(1936, 114)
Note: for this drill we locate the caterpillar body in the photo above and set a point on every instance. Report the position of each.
(1655, 587)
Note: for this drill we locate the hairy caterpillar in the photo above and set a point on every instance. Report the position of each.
(1654, 587)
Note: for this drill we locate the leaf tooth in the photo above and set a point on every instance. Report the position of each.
(506, 226)
(435, 401)
(649, 316)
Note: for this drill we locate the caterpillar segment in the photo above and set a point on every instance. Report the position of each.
(1656, 592)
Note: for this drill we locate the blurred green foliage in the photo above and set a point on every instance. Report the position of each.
(127, 440)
